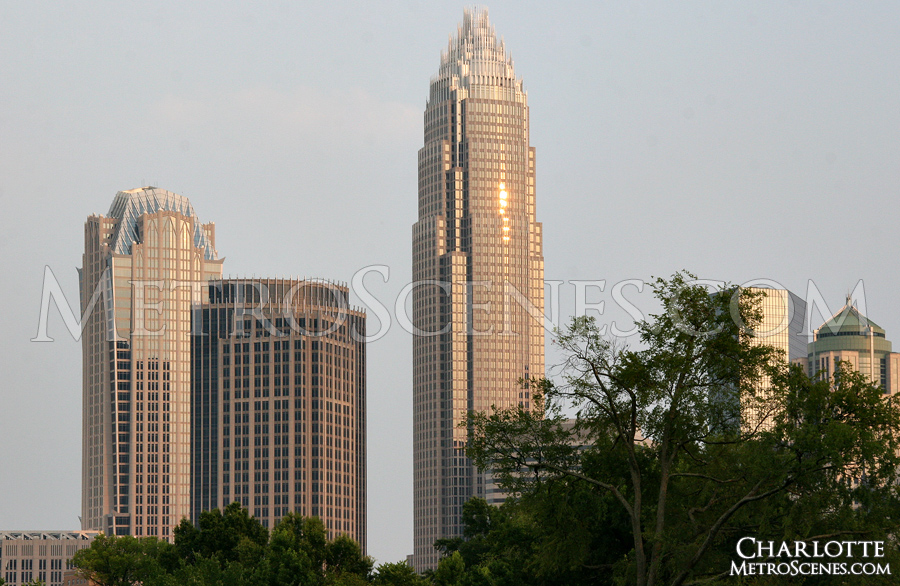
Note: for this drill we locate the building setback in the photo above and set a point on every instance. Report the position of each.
(478, 270)
(40, 555)
(279, 403)
(143, 268)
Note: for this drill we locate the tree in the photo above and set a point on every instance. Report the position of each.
(344, 559)
(224, 535)
(297, 551)
(125, 561)
(229, 547)
(397, 574)
(300, 553)
(450, 570)
(498, 547)
(657, 435)
(211, 572)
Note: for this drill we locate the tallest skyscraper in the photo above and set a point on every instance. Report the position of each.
(478, 267)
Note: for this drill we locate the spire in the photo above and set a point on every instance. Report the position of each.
(475, 55)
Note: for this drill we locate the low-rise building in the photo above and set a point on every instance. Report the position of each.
(40, 555)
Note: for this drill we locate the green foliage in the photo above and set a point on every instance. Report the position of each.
(659, 477)
(343, 557)
(228, 548)
(125, 561)
(450, 570)
(397, 574)
(226, 535)
(555, 535)
(300, 553)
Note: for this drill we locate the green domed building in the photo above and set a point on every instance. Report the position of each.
(849, 336)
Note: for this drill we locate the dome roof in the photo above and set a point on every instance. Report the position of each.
(849, 322)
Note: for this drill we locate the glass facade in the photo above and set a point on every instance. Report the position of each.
(477, 269)
(782, 327)
(279, 403)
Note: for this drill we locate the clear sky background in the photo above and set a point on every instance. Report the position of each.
(736, 140)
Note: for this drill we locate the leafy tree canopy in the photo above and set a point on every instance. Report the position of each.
(220, 534)
(226, 548)
(397, 574)
(682, 446)
(126, 560)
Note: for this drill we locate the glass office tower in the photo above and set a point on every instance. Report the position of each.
(782, 327)
(279, 403)
(478, 270)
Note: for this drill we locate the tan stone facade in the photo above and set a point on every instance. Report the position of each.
(74, 578)
(145, 264)
(40, 555)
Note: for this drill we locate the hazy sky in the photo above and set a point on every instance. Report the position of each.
(736, 140)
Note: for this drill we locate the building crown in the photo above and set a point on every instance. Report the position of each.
(849, 321)
(128, 206)
(476, 56)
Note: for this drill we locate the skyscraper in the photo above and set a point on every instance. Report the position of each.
(144, 266)
(478, 269)
(850, 337)
(279, 403)
(781, 327)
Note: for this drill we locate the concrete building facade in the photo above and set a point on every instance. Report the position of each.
(40, 555)
(279, 403)
(144, 267)
(477, 269)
